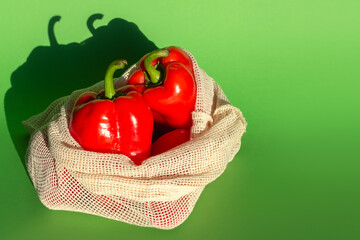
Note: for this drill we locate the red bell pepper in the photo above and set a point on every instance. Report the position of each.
(170, 86)
(170, 140)
(138, 77)
(114, 121)
(171, 91)
(111, 206)
(66, 190)
(169, 213)
(176, 55)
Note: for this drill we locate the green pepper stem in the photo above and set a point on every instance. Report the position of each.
(151, 70)
(109, 81)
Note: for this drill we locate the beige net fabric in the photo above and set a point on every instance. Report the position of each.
(161, 192)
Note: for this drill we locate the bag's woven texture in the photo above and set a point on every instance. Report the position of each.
(161, 192)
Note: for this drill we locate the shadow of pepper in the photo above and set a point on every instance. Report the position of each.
(51, 72)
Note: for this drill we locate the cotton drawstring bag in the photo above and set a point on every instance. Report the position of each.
(160, 193)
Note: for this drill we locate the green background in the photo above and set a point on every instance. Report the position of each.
(293, 69)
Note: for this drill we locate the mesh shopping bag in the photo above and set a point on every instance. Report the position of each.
(161, 192)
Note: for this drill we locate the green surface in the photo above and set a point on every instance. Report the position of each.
(292, 67)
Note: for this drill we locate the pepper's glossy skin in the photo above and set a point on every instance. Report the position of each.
(123, 125)
(170, 140)
(177, 55)
(138, 77)
(172, 101)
